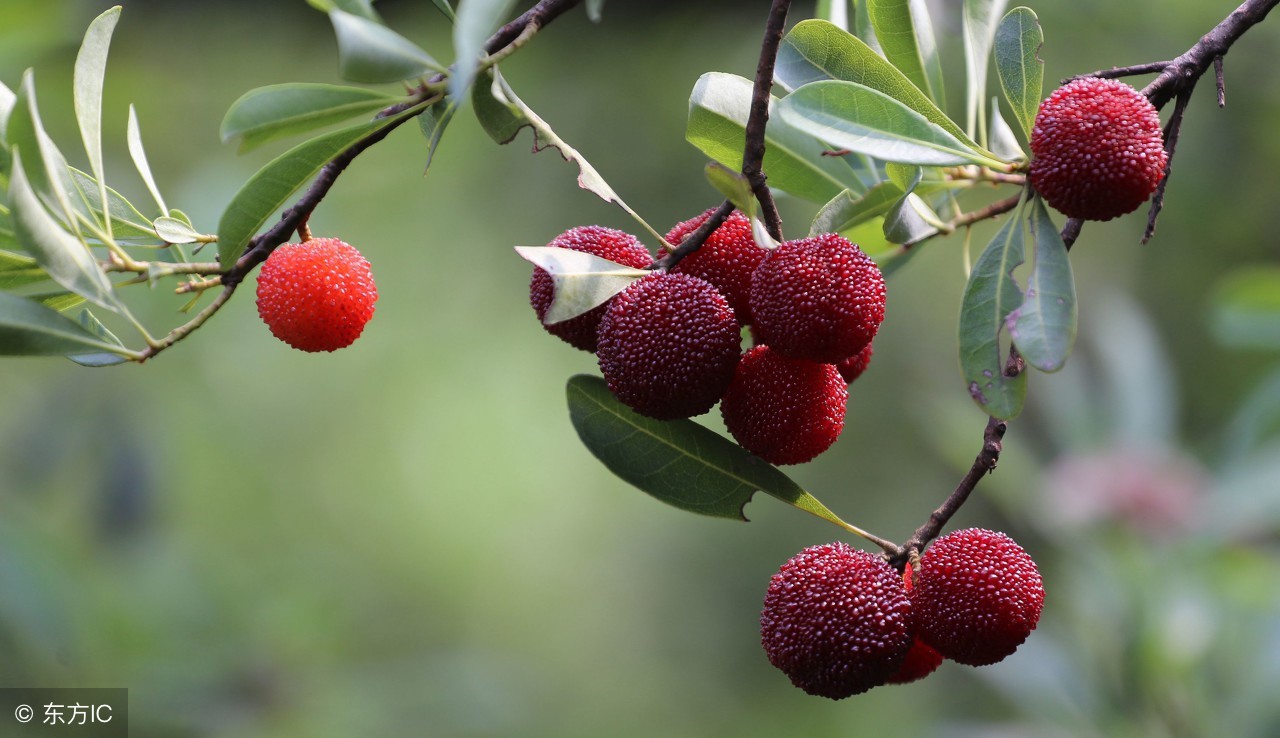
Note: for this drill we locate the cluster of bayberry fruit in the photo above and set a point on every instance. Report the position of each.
(839, 621)
(670, 344)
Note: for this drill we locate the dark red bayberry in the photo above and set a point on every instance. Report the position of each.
(923, 659)
(1098, 152)
(853, 367)
(818, 298)
(607, 243)
(726, 259)
(977, 597)
(316, 295)
(836, 620)
(784, 410)
(668, 345)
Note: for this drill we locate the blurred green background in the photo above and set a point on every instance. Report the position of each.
(406, 538)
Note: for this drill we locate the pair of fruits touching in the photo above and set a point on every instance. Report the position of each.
(839, 621)
(669, 345)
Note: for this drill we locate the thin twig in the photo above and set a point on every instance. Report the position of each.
(761, 94)
(1222, 82)
(1182, 73)
(694, 240)
(1171, 131)
(1118, 72)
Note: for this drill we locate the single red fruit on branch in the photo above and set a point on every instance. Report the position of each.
(1098, 152)
(316, 295)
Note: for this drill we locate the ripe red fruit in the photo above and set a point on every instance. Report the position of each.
(836, 620)
(853, 367)
(316, 295)
(726, 259)
(977, 597)
(818, 298)
(668, 345)
(923, 659)
(607, 243)
(784, 410)
(1097, 149)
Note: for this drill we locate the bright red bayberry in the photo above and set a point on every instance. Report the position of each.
(316, 295)
(853, 367)
(784, 410)
(978, 596)
(607, 243)
(1098, 152)
(836, 620)
(818, 298)
(727, 259)
(668, 345)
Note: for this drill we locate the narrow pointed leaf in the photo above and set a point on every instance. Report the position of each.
(679, 462)
(855, 117)
(1044, 326)
(432, 122)
(1018, 41)
(172, 230)
(979, 26)
(92, 325)
(863, 29)
(1003, 141)
(126, 222)
(62, 255)
(446, 9)
(848, 210)
(276, 111)
(17, 270)
(90, 71)
(476, 20)
(582, 281)
(906, 36)
(372, 53)
(46, 168)
(989, 297)
(139, 156)
(28, 328)
(794, 163)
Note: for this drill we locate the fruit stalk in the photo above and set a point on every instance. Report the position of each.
(753, 153)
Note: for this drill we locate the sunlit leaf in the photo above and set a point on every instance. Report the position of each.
(277, 111)
(17, 270)
(90, 71)
(28, 328)
(139, 156)
(370, 52)
(1003, 142)
(46, 168)
(679, 462)
(476, 20)
(906, 36)
(1018, 41)
(172, 230)
(733, 185)
(582, 281)
(1044, 326)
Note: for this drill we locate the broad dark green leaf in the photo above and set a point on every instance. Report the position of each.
(1044, 326)
(989, 297)
(501, 120)
(816, 50)
(855, 117)
(139, 156)
(87, 82)
(794, 163)
(582, 281)
(66, 259)
(979, 25)
(17, 270)
(476, 20)
(28, 328)
(267, 191)
(1018, 41)
(372, 53)
(277, 111)
(679, 462)
(905, 33)
(1246, 308)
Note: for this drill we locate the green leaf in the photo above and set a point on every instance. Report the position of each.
(855, 117)
(863, 29)
(816, 50)
(268, 189)
(433, 121)
(835, 12)
(370, 52)
(59, 300)
(446, 9)
(989, 297)
(46, 172)
(733, 185)
(362, 8)
(595, 10)
(126, 222)
(1018, 41)
(172, 230)
(905, 33)
(139, 156)
(7, 100)
(499, 119)
(1003, 143)
(91, 324)
(848, 210)
(678, 461)
(476, 20)
(90, 71)
(1044, 326)
(1245, 308)
(979, 25)
(17, 271)
(62, 255)
(28, 328)
(582, 281)
(276, 111)
(794, 163)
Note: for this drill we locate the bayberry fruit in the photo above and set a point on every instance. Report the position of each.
(668, 345)
(977, 597)
(784, 410)
(853, 367)
(726, 259)
(923, 659)
(818, 298)
(316, 295)
(836, 620)
(1098, 152)
(607, 243)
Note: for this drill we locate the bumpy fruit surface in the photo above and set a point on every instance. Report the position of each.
(853, 367)
(1097, 149)
(784, 410)
(316, 295)
(836, 620)
(668, 345)
(727, 259)
(818, 298)
(923, 659)
(607, 243)
(978, 596)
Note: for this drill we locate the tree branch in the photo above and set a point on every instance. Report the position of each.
(694, 240)
(753, 151)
